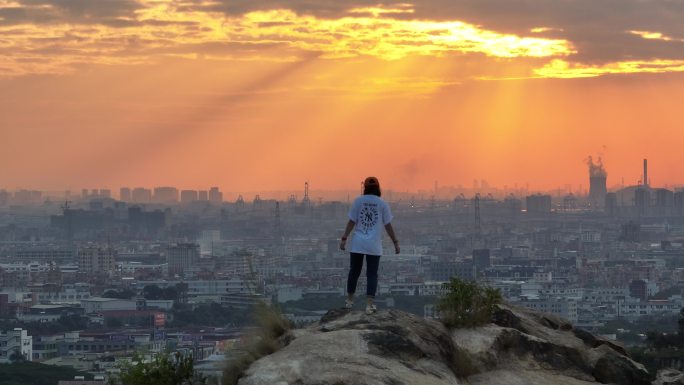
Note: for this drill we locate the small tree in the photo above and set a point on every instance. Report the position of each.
(467, 304)
(17, 357)
(164, 369)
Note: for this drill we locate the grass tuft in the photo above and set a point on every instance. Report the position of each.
(265, 340)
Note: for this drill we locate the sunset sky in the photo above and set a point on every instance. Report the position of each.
(256, 95)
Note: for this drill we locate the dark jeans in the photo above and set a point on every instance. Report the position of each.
(355, 265)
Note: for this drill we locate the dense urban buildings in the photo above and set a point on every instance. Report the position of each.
(163, 268)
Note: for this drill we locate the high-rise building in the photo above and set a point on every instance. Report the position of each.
(664, 202)
(188, 196)
(482, 259)
(125, 194)
(630, 232)
(642, 200)
(182, 257)
(22, 197)
(141, 195)
(611, 205)
(96, 260)
(105, 193)
(597, 183)
(215, 196)
(148, 223)
(664, 197)
(538, 204)
(513, 206)
(165, 195)
(203, 196)
(679, 203)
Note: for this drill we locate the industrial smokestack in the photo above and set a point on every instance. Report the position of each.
(645, 172)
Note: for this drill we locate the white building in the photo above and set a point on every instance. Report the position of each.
(131, 268)
(31, 267)
(15, 342)
(208, 240)
(96, 260)
(563, 307)
(633, 308)
(68, 294)
(603, 295)
(205, 290)
(418, 288)
(45, 347)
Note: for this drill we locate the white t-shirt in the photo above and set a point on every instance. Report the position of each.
(371, 214)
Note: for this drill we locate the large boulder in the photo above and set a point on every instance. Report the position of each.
(352, 348)
(392, 347)
(669, 377)
(554, 343)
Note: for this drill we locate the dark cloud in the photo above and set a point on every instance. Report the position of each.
(115, 13)
(598, 29)
(87, 9)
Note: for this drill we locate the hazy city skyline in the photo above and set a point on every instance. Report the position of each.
(594, 167)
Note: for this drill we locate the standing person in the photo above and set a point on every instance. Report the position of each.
(368, 215)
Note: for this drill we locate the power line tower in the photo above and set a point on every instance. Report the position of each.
(277, 226)
(67, 213)
(257, 202)
(292, 201)
(239, 203)
(478, 218)
(306, 201)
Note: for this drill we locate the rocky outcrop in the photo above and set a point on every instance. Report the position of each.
(393, 347)
(669, 377)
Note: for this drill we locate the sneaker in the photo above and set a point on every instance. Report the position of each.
(348, 304)
(371, 308)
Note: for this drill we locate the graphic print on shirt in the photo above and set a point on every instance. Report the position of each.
(368, 217)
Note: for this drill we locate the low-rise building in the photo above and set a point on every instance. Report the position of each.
(563, 307)
(48, 313)
(14, 344)
(98, 304)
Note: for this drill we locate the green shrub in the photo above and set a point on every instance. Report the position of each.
(164, 369)
(467, 304)
(271, 325)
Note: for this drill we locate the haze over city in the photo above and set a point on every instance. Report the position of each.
(263, 95)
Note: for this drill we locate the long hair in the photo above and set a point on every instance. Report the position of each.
(373, 189)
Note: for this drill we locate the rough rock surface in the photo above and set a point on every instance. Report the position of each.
(392, 347)
(669, 377)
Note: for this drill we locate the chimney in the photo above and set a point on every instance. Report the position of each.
(645, 172)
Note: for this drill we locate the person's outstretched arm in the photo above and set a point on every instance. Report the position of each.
(390, 232)
(347, 231)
